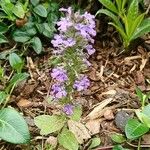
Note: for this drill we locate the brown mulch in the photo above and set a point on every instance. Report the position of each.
(109, 73)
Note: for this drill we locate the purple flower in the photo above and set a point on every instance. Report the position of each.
(89, 19)
(59, 74)
(68, 109)
(90, 49)
(64, 24)
(58, 91)
(82, 83)
(61, 41)
(69, 10)
(86, 62)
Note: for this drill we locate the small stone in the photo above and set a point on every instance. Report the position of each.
(121, 119)
(24, 103)
(108, 114)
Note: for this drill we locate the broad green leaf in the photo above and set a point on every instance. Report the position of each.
(117, 138)
(111, 15)
(144, 118)
(143, 28)
(13, 127)
(95, 142)
(37, 45)
(40, 10)
(20, 36)
(109, 5)
(18, 10)
(146, 110)
(135, 24)
(48, 30)
(17, 78)
(135, 129)
(49, 124)
(3, 96)
(15, 62)
(25, 33)
(3, 39)
(77, 112)
(35, 2)
(3, 27)
(132, 11)
(67, 139)
(7, 7)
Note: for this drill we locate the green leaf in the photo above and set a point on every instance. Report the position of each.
(117, 138)
(3, 39)
(95, 142)
(111, 15)
(132, 11)
(18, 10)
(135, 24)
(3, 96)
(35, 2)
(37, 45)
(146, 110)
(7, 7)
(17, 78)
(109, 5)
(119, 147)
(13, 127)
(25, 33)
(20, 36)
(49, 124)
(77, 112)
(139, 93)
(144, 118)
(3, 27)
(40, 10)
(143, 28)
(15, 62)
(48, 30)
(135, 129)
(121, 31)
(67, 139)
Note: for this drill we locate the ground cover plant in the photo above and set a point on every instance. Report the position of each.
(127, 19)
(63, 85)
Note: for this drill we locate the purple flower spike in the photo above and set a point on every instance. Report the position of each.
(58, 91)
(90, 49)
(59, 74)
(82, 84)
(68, 109)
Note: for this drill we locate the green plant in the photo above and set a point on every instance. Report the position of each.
(126, 19)
(42, 19)
(13, 129)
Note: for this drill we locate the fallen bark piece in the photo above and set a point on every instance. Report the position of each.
(98, 111)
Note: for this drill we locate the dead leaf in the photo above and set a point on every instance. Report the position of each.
(52, 141)
(94, 126)
(98, 110)
(79, 130)
(108, 114)
(24, 103)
